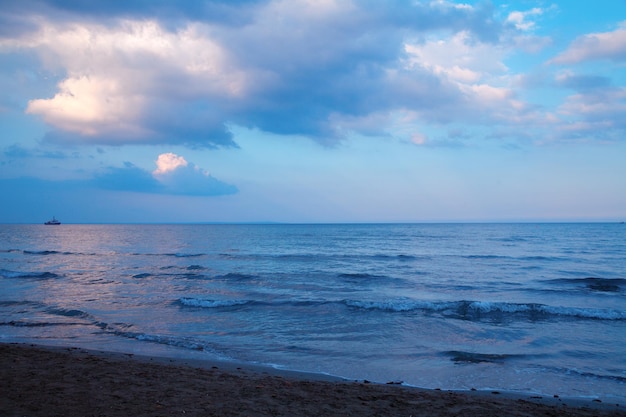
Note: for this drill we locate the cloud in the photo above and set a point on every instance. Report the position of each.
(128, 178)
(222, 11)
(137, 72)
(473, 81)
(596, 46)
(135, 82)
(520, 19)
(168, 162)
(17, 151)
(597, 113)
(174, 176)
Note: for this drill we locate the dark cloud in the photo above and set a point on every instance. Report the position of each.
(14, 24)
(128, 178)
(187, 180)
(169, 129)
(195, 124)
(275, 66)
(17, 151)
(221, 11)
(182, 180)
(427, 16)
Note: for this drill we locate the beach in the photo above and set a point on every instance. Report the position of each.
(54, 381)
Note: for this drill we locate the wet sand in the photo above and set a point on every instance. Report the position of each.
(52, 381)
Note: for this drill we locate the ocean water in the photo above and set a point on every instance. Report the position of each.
(535, 308)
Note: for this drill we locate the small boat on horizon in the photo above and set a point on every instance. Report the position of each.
(54, 221)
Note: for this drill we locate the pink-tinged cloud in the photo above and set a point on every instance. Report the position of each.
(168, 162)
(596, 46)
(177, 176)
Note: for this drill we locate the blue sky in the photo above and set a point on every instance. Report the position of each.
(312, 111)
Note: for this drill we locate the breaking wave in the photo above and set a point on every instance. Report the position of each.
(481, 309)
(207, 303)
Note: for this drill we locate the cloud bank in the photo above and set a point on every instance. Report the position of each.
(166, 72)
(174, 175)
(154, 72)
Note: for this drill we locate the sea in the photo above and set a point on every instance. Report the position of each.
(530, 308)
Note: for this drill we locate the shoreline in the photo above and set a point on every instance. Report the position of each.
(41, 380)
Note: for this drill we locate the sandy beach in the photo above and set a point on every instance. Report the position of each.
(53, 381)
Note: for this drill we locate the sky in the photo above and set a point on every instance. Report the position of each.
(312, 111)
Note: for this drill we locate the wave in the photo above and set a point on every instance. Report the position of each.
(13, 303)
(464, 310)
(486, 257)
(236, 276)
(477, 310)
(207, 303)
(196, 268)
(213, 303)
(84, 318)
(594, 283)
(322, 258)
(21, 323)
(179, 342)
(68, 312)
(4, 273)
(164, 340)
(474, 357)
(515, 258)
(361, 277)
(183, 275)
(541, 258)
(45, 252)
(53, 252)
(175, 255)
(509, 239)
(586, 374)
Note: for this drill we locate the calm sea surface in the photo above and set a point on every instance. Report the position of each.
(525, 307)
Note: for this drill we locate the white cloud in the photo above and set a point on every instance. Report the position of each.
(458, 57)
(476, 73)
(91, 106)
(521, 19)
(597, 104)
(177, 176)
(593, 114)
(168, 162)
(596, 46)
(120, 76)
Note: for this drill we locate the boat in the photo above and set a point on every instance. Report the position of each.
(54, 221)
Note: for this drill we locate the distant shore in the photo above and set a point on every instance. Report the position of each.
(51, 381)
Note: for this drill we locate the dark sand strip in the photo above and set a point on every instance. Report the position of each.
(42, 381)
